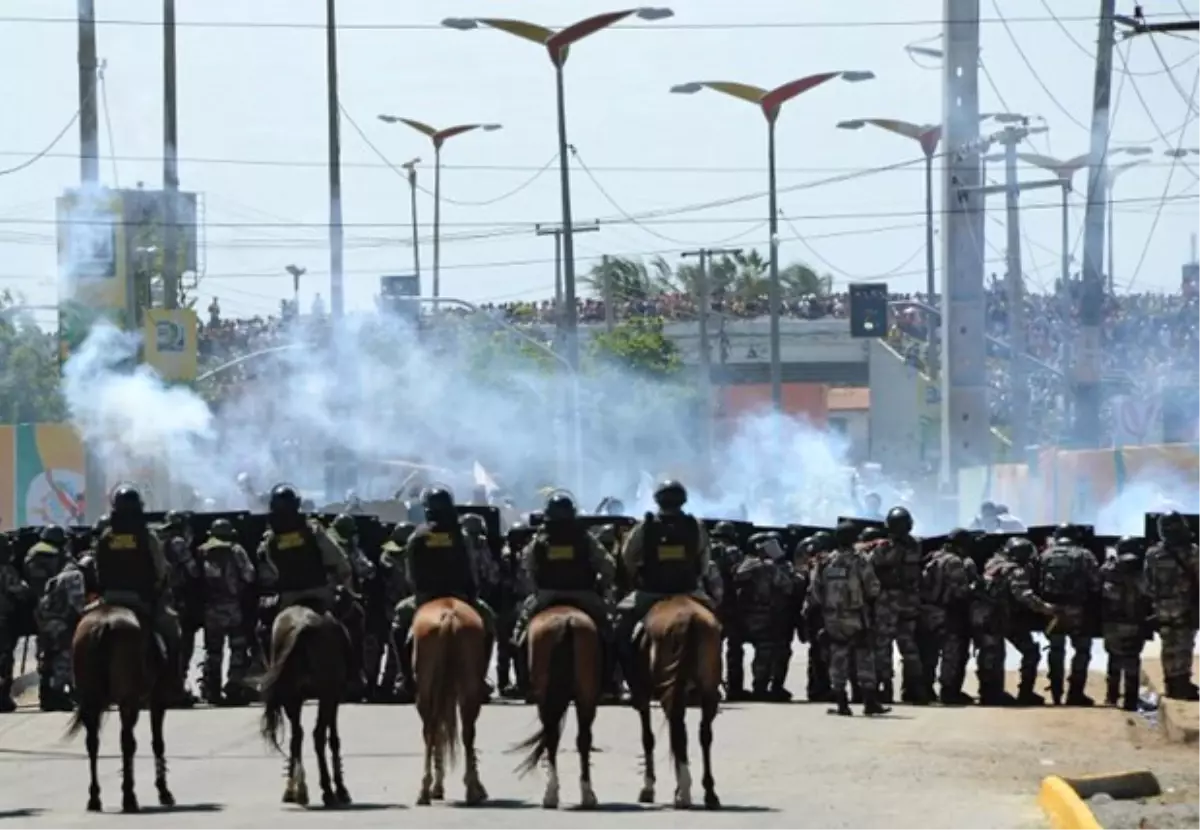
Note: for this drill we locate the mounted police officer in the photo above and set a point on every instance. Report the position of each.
(439, 564)
(130, 570)
(565, 565)
(1068, 577)
(666, 554)
(299, 561)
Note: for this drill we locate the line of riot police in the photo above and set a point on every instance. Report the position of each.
(851, 594)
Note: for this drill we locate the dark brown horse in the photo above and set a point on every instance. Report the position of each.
(308, 662)
(112, 665)
(450, 662)
(564, 666)
(680, 651)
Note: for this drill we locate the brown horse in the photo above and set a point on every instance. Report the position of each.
(564, 665)
(680, 650)
(450, 662)
(308, 661)
(109, 656)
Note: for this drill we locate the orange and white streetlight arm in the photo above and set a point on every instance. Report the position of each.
(438, 137)
(927, 135)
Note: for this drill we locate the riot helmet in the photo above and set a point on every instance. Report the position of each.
(845, 534)
(822, 541)
(670, 495)
(899, 521)
(1019, 549)
(958, 540)
(1173, 528)
(474, 524)
(438, 503)
(126, 501)
(724, 531)
(1133, 545)
(872, 534)
(560, 507)
(284, 500)
(53, 535)
(401, 532)
(222, 529)
(345, 527)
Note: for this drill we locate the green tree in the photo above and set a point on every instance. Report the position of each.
(630, 279)
(29, 368)
(638, 344)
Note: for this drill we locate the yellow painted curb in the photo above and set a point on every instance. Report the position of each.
(1064, 807)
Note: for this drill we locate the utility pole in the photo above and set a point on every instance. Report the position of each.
(337, 300)
(1086, 360)
(89, 118)
(1019, 413)
(170, 237)
(556, 231)
(703, 305)
(964, 388)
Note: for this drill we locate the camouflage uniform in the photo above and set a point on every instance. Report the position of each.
(58, 613)
(842, 590)
(944, 591)
(758, 583)
(1171, 574)
(1005, 584)
(13, 592)
(1125, 611)
(1068, 577)
(44, 561)
(186, 594)
(344, 533)
(228, 574)
(897, 564)
(726, 556)
(394, 588)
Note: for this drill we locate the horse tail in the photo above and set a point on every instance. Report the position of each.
(560, 688)
(97, 646)
(280, 680)
(444, 686)
(679, 651)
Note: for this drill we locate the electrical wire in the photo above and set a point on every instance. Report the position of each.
(1170, 74)
(38, 156)
(848, 274)
(112, 145)
(1154, 121)
(658, 26)
(1033, 71)
(404, 173)
(1158, 213)
(633, 220)
(1092, 57)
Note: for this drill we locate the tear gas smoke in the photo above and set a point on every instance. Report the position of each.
(373, 392)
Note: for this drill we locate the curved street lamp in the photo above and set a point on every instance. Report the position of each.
(770, 102)
(558, 44)
(438, 137)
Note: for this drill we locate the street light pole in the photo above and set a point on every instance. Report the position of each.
(438, 137)
(411, 167)
(770, 102)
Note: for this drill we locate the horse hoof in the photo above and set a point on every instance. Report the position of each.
(588, 801)
(683, 801)
(711, 802)
(343, 797)
(165, 799)
(423, 800)
(130, 805)
(289, 796)
(329, 799)
(302, 796)
(94, 805)
(550, 802)
(646, 796)
(438, 793)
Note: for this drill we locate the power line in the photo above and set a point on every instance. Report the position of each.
(38, 156)
(1170, 74)
(1092, 57)
(863, 277)
(1037, 77)
(1154, 121)
(670, 26)
(107, 119)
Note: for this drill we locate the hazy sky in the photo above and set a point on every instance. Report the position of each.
(252, 127)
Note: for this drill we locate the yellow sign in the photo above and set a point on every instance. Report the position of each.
(438, 540)
(122, 541)
(559, 553)
(289, 541)
(670, 553)
(170, 337)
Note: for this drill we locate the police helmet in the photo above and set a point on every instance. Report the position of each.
(53, 535)
(222, 529)
(401, 532)
(615, 507)
(1019, 549)
(126, 500)
(821, 541)
(958, 540)
(899, 521)
(474, 523)
(845, 534)
(560, 507)
(670, 495)
(1133, 545)
(284, 499)
(1172, 527)
(872, 534)
(437, 499)
(724, 531)
(102, 523)
(345, 526)
(1066, 533)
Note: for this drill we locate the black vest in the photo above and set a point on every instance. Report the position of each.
(123, 563)
(440, 564)
(298, 559)
(562, 560)
(671, 555)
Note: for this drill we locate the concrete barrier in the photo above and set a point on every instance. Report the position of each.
(1063, 806)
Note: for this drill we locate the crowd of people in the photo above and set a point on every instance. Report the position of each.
(1148, 339)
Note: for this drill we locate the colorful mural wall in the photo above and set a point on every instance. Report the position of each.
(41, 475)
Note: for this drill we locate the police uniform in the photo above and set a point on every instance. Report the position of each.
(13, 593)
(1124, 609)
(1068, 576)
(228, 574)
(565, 566)
(298, 564)
(58, 613)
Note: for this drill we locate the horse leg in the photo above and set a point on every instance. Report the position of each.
(646, 796)
(551, 729)
(91, 723)
(468, 713)
(129, 719)
(707, 715)
(426, 794)
(679, 751)
(335, 747)
(585, 714)
(319, 735)
(297, 788)
(438, 790)
(157, 716)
